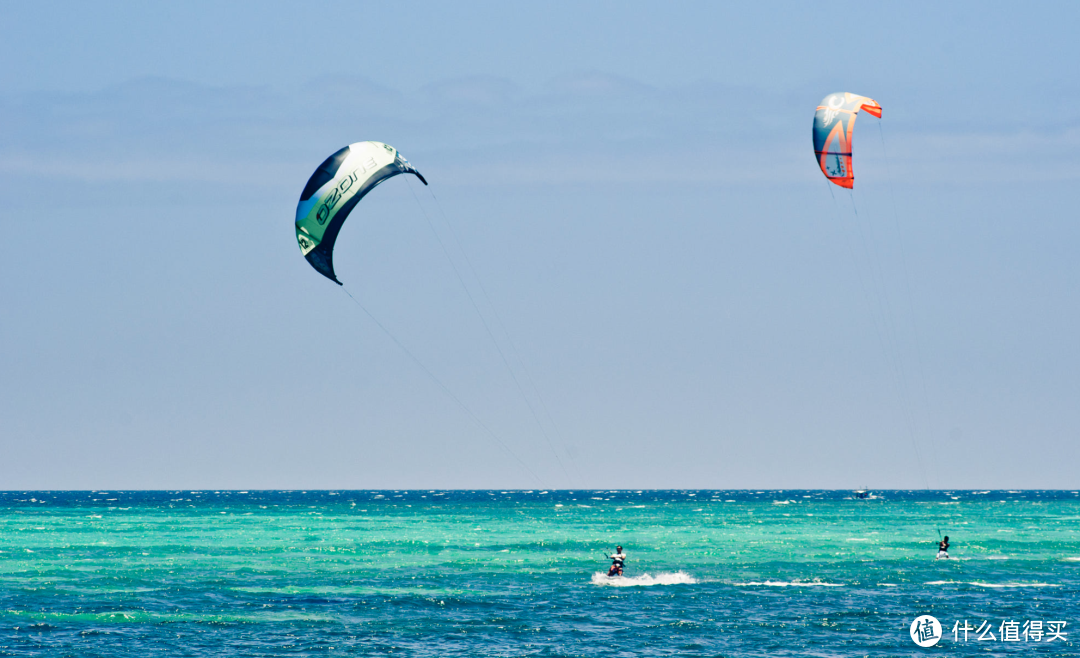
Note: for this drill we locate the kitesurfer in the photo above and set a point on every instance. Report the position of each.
(943, 547)
(618, 560)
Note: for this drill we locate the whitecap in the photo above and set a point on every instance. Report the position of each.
(991, 585)
(644, 580)
(1011, 585)
(782, 583)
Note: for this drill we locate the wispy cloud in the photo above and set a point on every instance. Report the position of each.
(590, 127)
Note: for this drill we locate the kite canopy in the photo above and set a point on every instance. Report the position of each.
(834, 122)
(334, 190)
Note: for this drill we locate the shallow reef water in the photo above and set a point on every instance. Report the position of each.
(523, 573)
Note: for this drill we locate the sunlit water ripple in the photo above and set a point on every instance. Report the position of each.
(431, 573)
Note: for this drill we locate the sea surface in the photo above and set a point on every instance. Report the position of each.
(521, 573)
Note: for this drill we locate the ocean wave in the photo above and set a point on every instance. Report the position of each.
(422, 592)
(644, 580)
(138, 616)
(784, 583)
(992, 585)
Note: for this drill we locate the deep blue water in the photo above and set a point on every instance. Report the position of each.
(490, 573)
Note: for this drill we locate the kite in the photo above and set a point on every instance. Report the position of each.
(834, 123)
(334, 190)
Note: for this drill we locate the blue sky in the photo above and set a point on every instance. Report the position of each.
(680, 297)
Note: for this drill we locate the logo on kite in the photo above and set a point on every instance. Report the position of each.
(835, 101)
(305, 241)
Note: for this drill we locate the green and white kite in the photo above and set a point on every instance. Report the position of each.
(334, 190)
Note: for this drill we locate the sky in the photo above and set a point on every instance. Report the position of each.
(627, 271)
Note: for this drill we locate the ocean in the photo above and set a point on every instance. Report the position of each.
(522, 573)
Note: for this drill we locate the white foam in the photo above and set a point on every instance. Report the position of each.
(644, 580)
(1003, 585)
(993, 585)
(782, 583)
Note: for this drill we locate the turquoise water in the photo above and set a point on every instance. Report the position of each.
(489, 573)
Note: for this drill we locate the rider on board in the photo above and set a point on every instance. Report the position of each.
(618, 560)
(943, 547)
